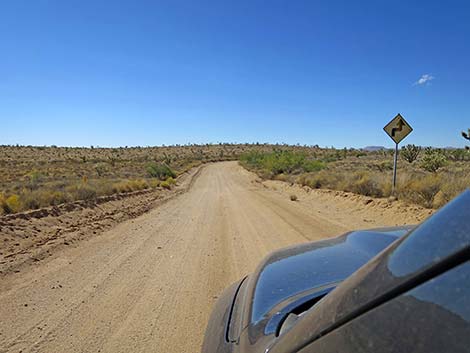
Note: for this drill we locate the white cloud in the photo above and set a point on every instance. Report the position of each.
(425, 79)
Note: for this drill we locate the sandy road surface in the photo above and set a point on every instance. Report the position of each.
(148, 284)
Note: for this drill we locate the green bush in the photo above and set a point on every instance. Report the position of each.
(160, 171)
(281, 162)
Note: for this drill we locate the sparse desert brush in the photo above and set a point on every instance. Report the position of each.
(101, 169)
(82, 191)
(384, 166)
(322, 179)
(450, 188)
(42, 198)
(422, 190)
(34, 179)
(130, 185)
(121, 187)
(59, 174)
(365, 183)
(293, 197)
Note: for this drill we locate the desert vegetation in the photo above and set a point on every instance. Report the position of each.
(426, 176)
(33, 177)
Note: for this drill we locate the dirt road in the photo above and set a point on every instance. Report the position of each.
(148, 284)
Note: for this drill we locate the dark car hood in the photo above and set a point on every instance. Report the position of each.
(289, 277)
(436, 245)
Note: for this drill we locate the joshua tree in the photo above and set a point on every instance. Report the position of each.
(410, 153)
(466, 135)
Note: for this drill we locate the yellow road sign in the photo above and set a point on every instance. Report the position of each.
(398, 128)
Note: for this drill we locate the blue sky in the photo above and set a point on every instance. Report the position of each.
(115, 73)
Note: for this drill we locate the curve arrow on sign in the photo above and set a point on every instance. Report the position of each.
(399, 128)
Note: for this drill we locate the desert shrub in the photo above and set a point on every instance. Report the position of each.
(459, 154)
(450, 188)
(168, 183)
(385, 166)
(82, 191)
(43, 198)
(323, 179)
(171, 181)
(3, 204)
(34, 179)
(11, 204)
(153, 183)
(130, 185)
(139, 184)
(56, 197)
(364, 183)
(293, 197)
(313, 165)
(120, 187)
(421, 190)
(410, 153)
(165, 184)
(29, 201)
(281, 162)
(160, 171)
(433, 160)
(100, 169)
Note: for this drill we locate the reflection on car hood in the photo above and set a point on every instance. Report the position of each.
(301, 268)
(290, 276)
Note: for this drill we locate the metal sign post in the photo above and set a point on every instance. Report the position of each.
(397, 129)
(395, 159)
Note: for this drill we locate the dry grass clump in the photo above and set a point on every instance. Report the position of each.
(421, 190)
(130, 185)
(360, 182)
(54, 194)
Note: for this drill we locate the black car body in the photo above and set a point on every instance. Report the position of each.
(403, 289)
